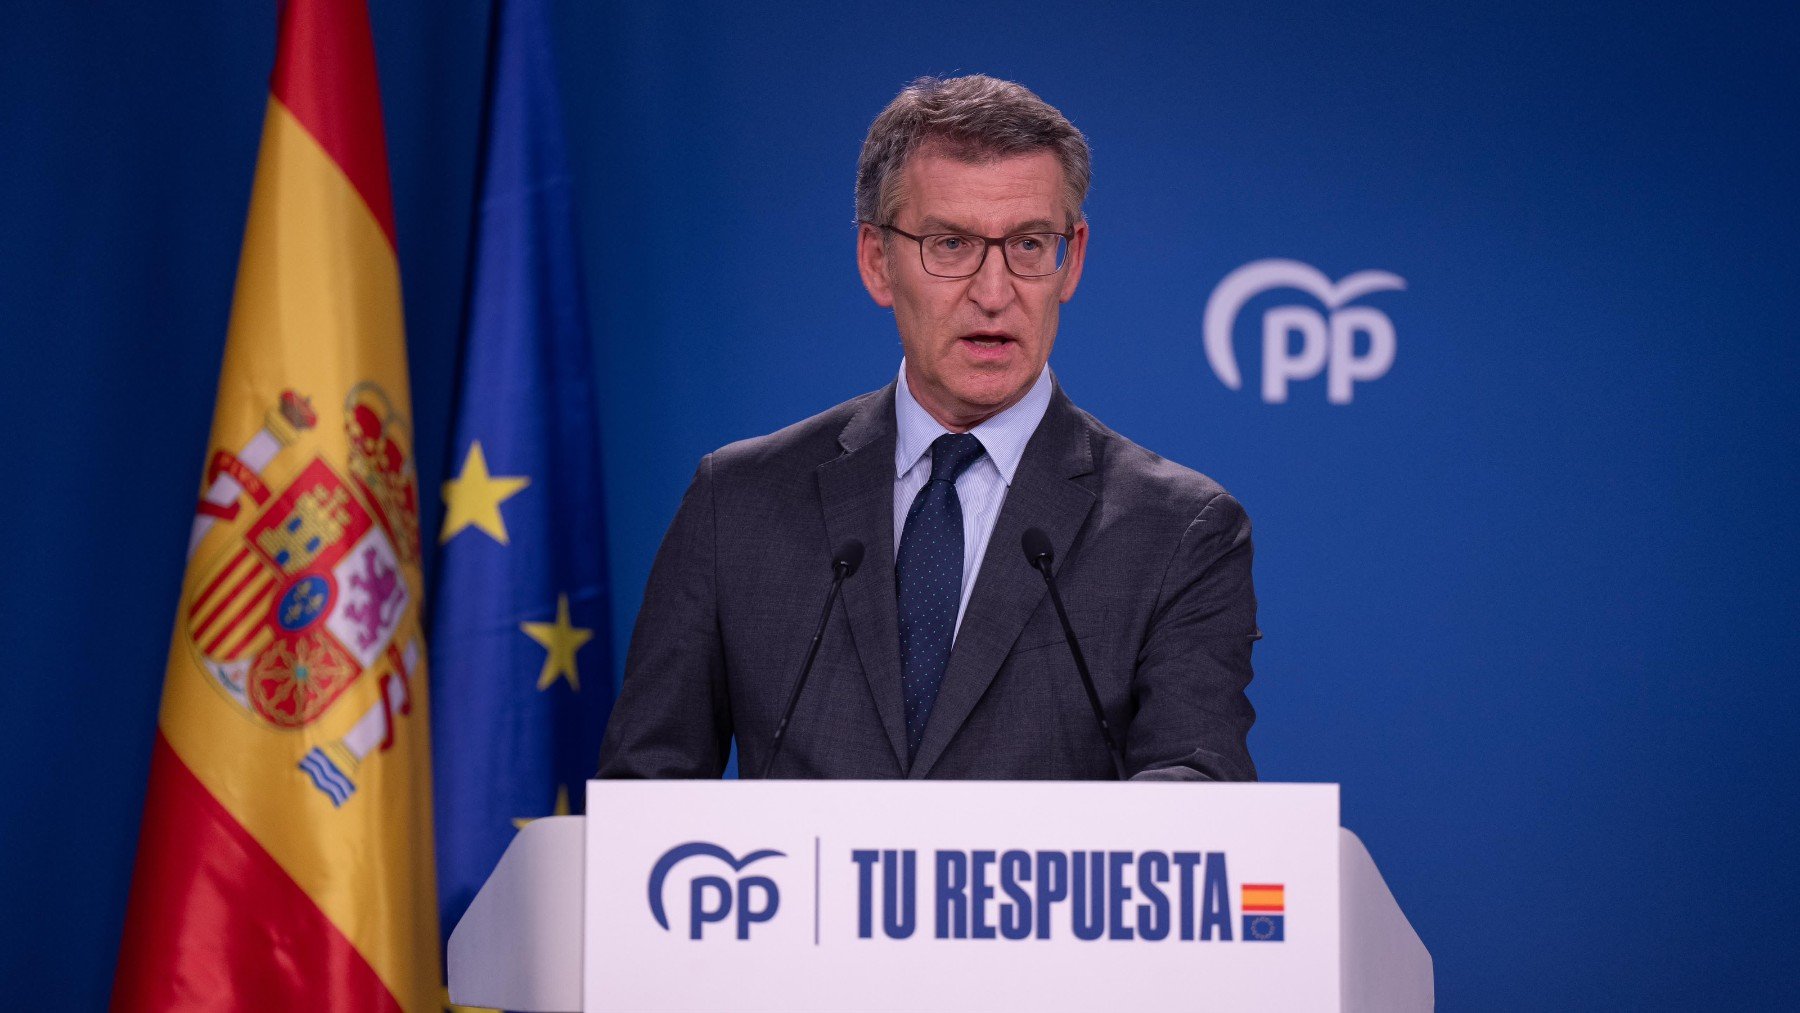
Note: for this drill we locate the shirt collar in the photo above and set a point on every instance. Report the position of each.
(1003, 437)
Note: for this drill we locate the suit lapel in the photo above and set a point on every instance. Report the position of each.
(1043, 495)
(857, 493)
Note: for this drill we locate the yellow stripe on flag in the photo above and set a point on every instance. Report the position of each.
(1264, 896)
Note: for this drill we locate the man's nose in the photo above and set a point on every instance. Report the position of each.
(991, 288)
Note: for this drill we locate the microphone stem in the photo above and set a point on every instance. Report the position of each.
(812, 651)
(1087, 680)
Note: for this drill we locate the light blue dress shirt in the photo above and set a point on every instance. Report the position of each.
(982, 487)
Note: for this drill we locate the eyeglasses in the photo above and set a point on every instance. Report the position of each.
(953, 255)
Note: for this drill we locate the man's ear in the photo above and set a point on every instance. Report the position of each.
(873, 261)
(1071, 272)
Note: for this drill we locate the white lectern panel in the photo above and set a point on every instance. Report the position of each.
(815, 896)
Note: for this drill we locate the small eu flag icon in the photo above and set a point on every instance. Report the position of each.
(1263, 928)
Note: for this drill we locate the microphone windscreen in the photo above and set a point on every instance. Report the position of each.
(1037, 546)
(849, 557)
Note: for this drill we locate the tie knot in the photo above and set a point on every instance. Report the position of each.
(952, 453)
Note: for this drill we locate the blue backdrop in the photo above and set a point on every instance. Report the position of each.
(1530, 596)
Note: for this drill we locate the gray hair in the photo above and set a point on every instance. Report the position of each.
(972, 119)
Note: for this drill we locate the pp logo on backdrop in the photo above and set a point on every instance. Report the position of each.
(711, 898)
(1327, 341)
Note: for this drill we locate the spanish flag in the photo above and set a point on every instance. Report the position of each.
(285, 861)
(1264, 897)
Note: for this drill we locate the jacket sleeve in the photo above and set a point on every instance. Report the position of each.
(1192, 717)
(673, 715)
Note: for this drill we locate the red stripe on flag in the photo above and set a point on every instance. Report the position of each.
(256, 634)
(325, 76)
(214, 923)
(255, 605)
(206, 592)
(201, 628)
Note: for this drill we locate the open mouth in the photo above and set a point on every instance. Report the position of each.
(988, 342)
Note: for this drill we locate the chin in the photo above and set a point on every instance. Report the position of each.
(991, 391)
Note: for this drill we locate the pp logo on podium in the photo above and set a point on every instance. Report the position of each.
(714, 899)
(1328, 341)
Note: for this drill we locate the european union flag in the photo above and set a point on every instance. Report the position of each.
(520, 651)
(1263, 928)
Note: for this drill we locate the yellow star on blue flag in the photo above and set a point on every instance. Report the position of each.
(561, 640)
(473, 498)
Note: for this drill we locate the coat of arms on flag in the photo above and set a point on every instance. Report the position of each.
(307, 594)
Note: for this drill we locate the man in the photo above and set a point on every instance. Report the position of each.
(946, 658)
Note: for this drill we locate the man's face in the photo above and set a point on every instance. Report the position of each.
(973, 345)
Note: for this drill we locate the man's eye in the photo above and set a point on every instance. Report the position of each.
(1028, 244)
(951, 244)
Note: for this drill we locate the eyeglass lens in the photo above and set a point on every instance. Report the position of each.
(1029, 256)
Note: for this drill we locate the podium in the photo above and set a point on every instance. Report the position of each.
(914, 895)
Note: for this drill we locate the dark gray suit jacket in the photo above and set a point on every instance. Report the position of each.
(1152, 559)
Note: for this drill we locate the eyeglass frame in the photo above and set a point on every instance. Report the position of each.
(988, 243)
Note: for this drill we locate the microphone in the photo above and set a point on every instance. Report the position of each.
(1039, 554)
(849, 556)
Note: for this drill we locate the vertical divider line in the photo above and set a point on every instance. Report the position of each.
(815, 890)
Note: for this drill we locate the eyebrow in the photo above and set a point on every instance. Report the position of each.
(934, 224)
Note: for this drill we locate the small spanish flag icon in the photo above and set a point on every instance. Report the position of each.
(1265, 907)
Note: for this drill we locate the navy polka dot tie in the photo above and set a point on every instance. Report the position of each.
(928, 575)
